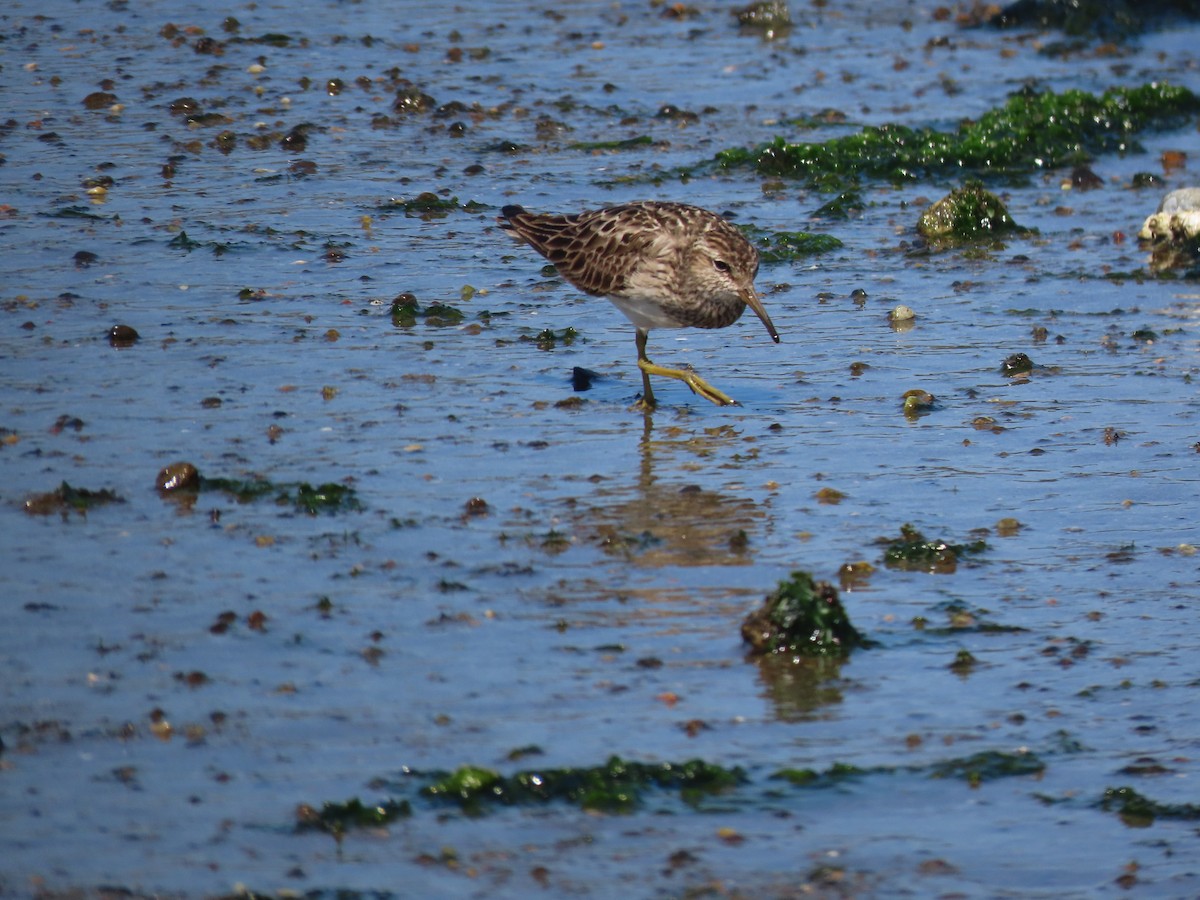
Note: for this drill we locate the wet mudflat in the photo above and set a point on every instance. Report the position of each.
(417, 546)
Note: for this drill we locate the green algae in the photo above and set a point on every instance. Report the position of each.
(620, 786)
(962, 619)
(616, 786)
(1138, 810)
(405, 309)
(632, 143)
(913, 552)
(329, 497)
(988, 765)
(1031, 132)
(835, 774)
(788, 246)
(338, 818)
(964, 663)
(802, 617)
(841, 207)
(549, 338)
(428, 206)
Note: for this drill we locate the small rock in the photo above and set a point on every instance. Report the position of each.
(176, 477)
(1177, 220)
(122, 336)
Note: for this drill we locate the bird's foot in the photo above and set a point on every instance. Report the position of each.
(692, 380)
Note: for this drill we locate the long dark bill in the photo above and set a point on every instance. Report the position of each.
(752, 301)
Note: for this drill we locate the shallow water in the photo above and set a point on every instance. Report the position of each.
(608, 540)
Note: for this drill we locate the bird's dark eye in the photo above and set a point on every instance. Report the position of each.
(720, 265)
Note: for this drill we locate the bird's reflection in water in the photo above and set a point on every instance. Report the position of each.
(657, 523)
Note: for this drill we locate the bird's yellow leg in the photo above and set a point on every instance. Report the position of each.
(691, 379)
(646, 403)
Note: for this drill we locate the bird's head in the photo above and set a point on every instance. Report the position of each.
(725, 264)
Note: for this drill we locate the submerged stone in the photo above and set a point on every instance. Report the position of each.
(968, 213)
(917, 402)
(123, 336)
(1016, 364)
(177, 476)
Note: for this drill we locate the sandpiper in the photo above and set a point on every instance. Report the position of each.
(665, 265)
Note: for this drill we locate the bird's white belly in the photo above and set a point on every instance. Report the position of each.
(645, 313)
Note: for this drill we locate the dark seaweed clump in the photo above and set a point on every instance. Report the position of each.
(1134, 808)
(616, 786)
(182, 479)
(65, 499)
(1031, 132)
(913, 551)
(987, 765)
(405, 309)
(1102, 18)
(802, 617)
(338, 818)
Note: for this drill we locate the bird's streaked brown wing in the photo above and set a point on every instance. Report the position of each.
(590, 249)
